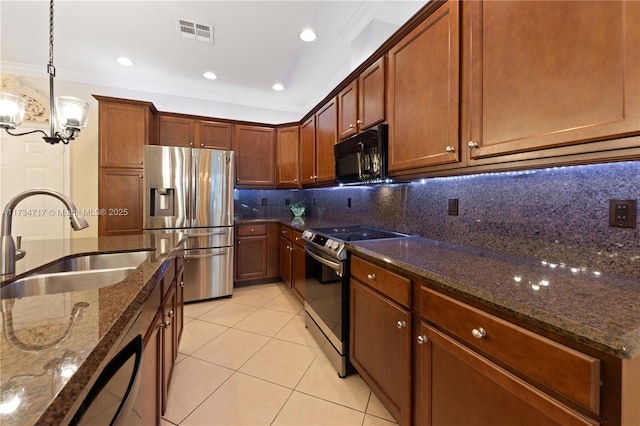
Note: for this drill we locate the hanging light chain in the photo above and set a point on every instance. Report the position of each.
(50, 68)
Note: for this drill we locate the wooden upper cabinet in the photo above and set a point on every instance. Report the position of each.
(326, 138)
(213, 134)
(287, 157)
(548, 74)
(176, 131)
(371, 95)
(348, 110)
(120, 192)
(308, 151)
(362, 103)
(423, 106)
(255, 152)
(189, 132)
(124, 128)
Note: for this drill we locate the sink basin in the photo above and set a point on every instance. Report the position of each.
(76, 274)
(98, 261)
(62, 282)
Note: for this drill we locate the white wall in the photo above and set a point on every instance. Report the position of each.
(84, 149)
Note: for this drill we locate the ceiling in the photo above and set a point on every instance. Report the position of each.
(255, 44)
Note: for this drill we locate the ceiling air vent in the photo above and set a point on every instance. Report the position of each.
(195, 31)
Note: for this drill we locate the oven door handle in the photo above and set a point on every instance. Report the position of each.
(336, 266)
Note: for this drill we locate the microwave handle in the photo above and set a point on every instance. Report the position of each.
(360, 154)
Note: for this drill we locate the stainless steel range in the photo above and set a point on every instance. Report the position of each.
(327, 287)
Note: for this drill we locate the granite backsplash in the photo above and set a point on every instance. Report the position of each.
(558, 214)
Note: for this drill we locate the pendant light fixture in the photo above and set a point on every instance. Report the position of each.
(69, 113)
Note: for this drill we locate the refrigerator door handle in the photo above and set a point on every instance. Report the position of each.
(202, 256)
(207, 234)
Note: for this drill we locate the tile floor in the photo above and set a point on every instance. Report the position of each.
(249, 360)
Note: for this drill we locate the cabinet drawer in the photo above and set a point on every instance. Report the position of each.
(286, 232)
(296, 237)
(563, 369)
(249, 230)
(391, 285)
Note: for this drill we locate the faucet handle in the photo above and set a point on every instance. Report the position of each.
(19, 252)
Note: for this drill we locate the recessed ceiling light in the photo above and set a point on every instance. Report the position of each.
(124, 61)
(308, 35)
(278, 87)
(209, 75)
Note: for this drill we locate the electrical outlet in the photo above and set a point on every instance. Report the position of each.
(264, 201)
(622, 213)
(452, 207)
(287, 201)
(349, 202)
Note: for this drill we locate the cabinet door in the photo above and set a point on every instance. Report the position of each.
(348, 110)
(212, 134)
(179, 308)
(176, 131)
(286, 261)
(326, 138)
(459, 387)
(251, 261)
(287, 158)
(380, 348)
(308, 151)
(123, 130)
(255, 152)
(549, 74)
(120, 199)
(424, 93)
(169, 342)
(371, 95)
(298, 275)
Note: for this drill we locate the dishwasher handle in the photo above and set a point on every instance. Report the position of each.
(208, 253)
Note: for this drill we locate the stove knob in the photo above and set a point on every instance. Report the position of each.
(335, 245)
(328, 243)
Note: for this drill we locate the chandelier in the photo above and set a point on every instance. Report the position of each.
(69, 113)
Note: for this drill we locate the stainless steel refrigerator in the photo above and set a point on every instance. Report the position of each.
(191, 190)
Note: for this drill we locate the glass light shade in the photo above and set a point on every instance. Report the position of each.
(71, 113)
(11, 110)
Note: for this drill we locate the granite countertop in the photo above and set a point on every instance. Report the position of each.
(48, 394)
(596, 309)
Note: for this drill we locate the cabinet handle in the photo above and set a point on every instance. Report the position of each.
(422, 339)
(252, 229)
(166, 324)
(140, 162)
(295, 180)
(401, 324)
(181, 283)
(351, 126)
(359, 121)
(473, 144)
(450, 149)
(372, 277)
(202, 145)
(171, 314)
(140, 176)
(479, 333)
(190, 143)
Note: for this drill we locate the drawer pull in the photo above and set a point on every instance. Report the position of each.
(422, 339)
(401, 324)
(479, 333)
(171, 314)
(372, 277)
(166, 324)
(181, 283)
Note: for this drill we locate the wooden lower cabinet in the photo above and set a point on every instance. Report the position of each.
(380, 348)
(457, 386)
(293, 261)
(257, 252)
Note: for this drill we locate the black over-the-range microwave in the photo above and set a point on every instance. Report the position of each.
(362, 158)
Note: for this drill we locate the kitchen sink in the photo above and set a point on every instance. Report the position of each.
(91, 262)
(76, 274)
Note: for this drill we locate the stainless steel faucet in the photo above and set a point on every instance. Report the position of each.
(8, 252)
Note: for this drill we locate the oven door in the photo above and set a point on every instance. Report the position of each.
(326, 292)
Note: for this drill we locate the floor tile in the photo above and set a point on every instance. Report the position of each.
(265, 322)
(285, 302)
(295, 331)
(307, 410)
(232, 348)
(370, 420)
(280, 362)
(194, 310)
(376, 408)
(192, 382)
(228, 314)
(241, 400)
(322, 380)
(255, 297)
(196, 334)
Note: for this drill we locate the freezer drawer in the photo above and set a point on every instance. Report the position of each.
(208, 237)
(208, 273)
